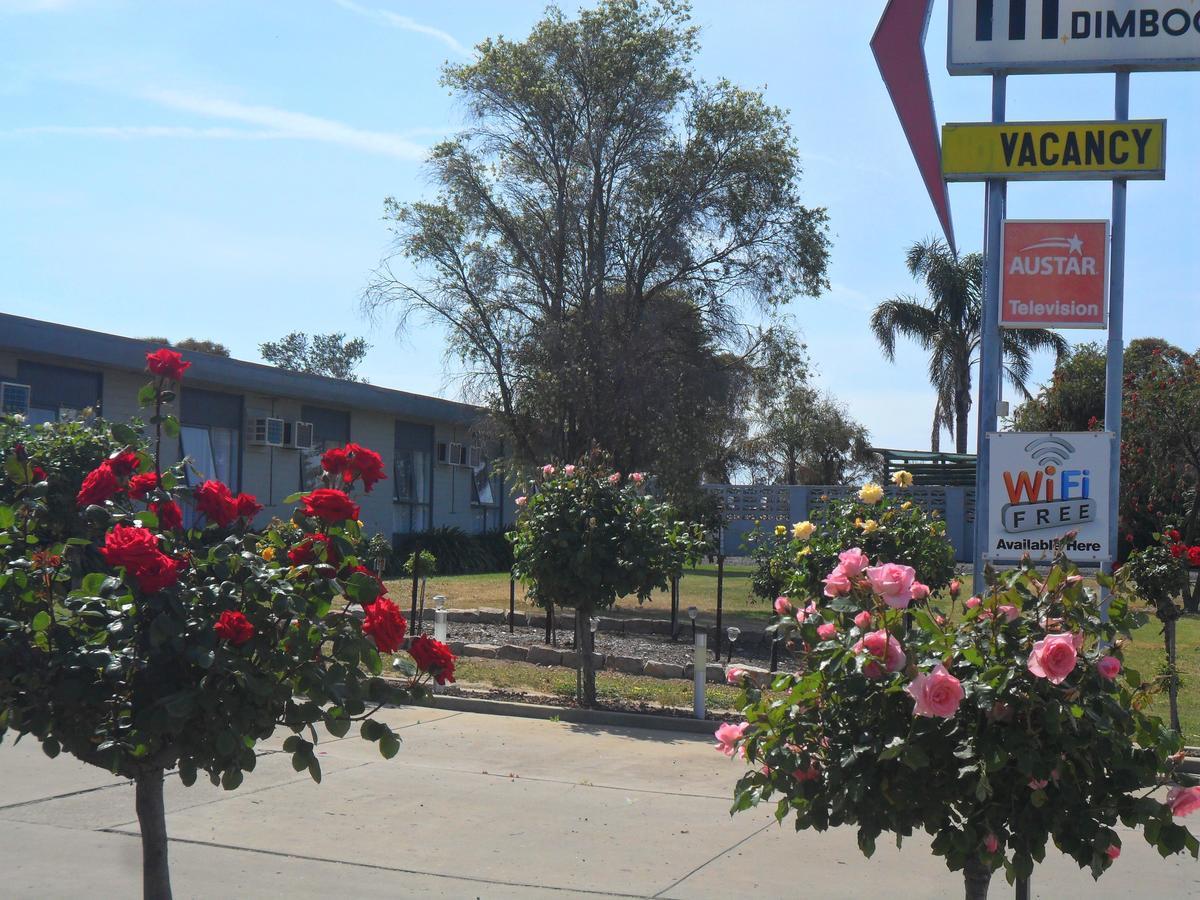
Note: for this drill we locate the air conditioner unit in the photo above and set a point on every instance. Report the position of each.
(457, 454)
(443, 453)
(14, 398)
(475, 457)
(303, 435)
(267, 432)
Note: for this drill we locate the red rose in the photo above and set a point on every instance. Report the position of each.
(167, 363)
(330, 505)
(1174, 534)
(130, 547)
(1178, 550)
(354, 461)
(306, 551)
(160, 572)
(100, 484)
(214, 501)
(247, 506)
(170, 516)
(141, 485)
(433, 657)
(39, 474)
(234, 627)
(350, 570)
(386, 626)
(124, 463)
(1193, 556)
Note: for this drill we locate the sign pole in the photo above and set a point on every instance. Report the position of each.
(990, 349)
(1115, 374)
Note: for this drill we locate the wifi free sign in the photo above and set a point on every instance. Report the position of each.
(1054, 274)
(1049, 491)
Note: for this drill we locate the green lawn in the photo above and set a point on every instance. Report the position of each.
(697, 588)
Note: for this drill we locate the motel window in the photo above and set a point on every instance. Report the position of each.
(412, 474)
(58, 392)
(331, 428)
(210, 436)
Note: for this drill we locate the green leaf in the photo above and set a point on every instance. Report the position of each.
(41, 621)
(147, 395)
(231, 779)
(7, 517)
(170, 427)
(123, 434)
(389, 743)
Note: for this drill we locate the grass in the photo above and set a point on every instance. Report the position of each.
(1146, 655)
(559, 682)
(698, 588)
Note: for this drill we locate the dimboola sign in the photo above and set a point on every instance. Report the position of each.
(1054, 151)
(1044, 487)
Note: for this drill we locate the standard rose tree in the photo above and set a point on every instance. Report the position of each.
(587, 536)
(996, 729)
(140, 645)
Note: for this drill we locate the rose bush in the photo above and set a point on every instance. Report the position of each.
(995, 733)
(140, 646)
(893, 528)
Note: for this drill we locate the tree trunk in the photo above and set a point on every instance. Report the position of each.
(1172, 680)
(962, 414)
(586, 673)
(412, 616)
(977, 876)
(152, 818)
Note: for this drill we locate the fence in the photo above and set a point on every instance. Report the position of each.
(775, 504)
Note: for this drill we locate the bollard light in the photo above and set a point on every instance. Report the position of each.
(439, 602)
(692, 613)
(733, 632)
(699, 671)
(594, 622)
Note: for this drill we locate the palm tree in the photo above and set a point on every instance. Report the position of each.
(947, 324)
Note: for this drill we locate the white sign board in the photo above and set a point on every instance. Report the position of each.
(1042, 486)
(1031, 36)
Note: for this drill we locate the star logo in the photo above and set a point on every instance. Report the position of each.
(1075, 245)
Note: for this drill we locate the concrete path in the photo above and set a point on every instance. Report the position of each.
(479, 806)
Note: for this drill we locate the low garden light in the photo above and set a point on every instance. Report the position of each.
(594, 622)
(692, 613)
(733, 633)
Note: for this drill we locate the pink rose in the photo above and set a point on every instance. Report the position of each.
(853, 561)
(637, 477)
(1183, 801)
(1108, 667)
(1053, 657)
(827, 631)
(810, 610)
(974, 603)
(1038, 784)
(521, 501)
(837, 583)
(955, 588)
(893, 583)
(919, 591)
(1113, 851)
(882, 646)
(614, 478)
(547, 470)
(940, 619)
(991, 843)
(733, 675)
(568, 471)
(1010, 611)
(937, 693)
(863, 620)
(783, 606)
(728, 735)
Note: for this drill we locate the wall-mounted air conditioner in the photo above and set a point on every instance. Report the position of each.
(14, 398)
(267, 431)
(475, 456)
(303, 435)
(457, 455)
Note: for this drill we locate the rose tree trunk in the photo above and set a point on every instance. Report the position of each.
(977, 876)
(152, 818)
(584, 643)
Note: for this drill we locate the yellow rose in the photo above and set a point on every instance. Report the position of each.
(902, 479)
(803, 553)
(802, 531)
(870, 493)
(780, 530)
(869, 526)
(268, 554)
(907, 504)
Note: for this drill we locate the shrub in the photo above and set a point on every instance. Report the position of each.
(995, 731)
(457, 552)
(140, 646)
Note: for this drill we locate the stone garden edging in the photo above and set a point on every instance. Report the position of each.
(607, 624)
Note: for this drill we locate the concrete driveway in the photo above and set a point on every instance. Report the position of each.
(479, 806)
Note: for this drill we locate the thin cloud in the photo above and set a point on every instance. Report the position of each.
(285, 123)
(404, 22)
(134, 132)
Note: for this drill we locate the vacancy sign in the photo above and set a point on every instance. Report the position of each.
(1054, 274)
(1049, 491)
(1072, 35)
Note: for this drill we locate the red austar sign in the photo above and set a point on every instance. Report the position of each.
(1054, 274)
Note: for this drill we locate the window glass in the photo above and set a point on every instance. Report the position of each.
(196, 445)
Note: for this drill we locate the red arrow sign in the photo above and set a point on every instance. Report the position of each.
(899, 48)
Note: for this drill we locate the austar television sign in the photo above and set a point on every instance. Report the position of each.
(1046, 491)
(1033, 36)
(1054, 274)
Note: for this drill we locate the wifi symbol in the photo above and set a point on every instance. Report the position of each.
(1049, 450)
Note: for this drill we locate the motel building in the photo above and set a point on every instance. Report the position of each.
(262, 430)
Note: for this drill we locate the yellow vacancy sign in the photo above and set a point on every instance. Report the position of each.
(1055, 151)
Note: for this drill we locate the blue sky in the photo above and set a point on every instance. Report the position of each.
(218, 169)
